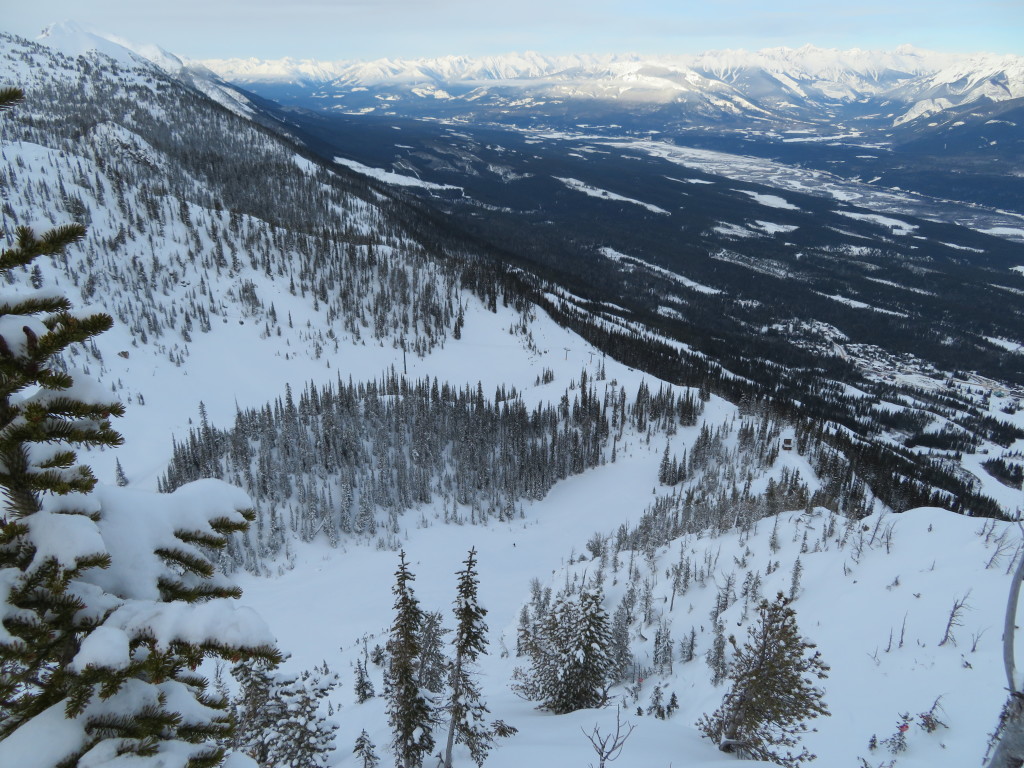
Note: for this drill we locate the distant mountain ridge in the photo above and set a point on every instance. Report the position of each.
(804, 83)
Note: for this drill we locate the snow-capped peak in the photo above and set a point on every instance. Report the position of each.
(73, 39)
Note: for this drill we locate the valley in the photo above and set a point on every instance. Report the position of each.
(742, 259)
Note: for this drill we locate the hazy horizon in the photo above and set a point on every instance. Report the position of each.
(356, 29)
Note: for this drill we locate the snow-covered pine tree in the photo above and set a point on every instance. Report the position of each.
(364, 750)
(254, 711)
(119, 476)
(715, 655)
(593, 656)
(468, 724)
(42, 618)
(570, 659)
(277, 716)
(409, 711)
(618, 642)
(772, 693)
(363, 686)
(108, 598)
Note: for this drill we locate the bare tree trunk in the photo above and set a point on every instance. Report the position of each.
(456, 694)
(1009, 735)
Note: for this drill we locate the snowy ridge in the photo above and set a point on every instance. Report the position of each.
(728, 82)
(804, 63)
(783, 80)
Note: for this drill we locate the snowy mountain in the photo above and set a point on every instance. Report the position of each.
(182, 252)
(376, 380)
(778, 84)
(74, 40)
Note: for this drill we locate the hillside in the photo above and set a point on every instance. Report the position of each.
(376, 381)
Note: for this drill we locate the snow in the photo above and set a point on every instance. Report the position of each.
(821, 139)
(1012, 346)
(925, 108)
(103, 647)
(83, 388)
(1012, 232)
(963, 247)
(604, 194)
(891, 284)
(859, 304)
(216, 620)
(932, 555)
(770, 201)
(391, 177)
(896, 226)
(46, 741)
(773, 229)
(66, 538)
(793, 178)
(74, 40)
(136, 523)
(15, 330)
(734, 230)
(632, 261)
(690, 181)
(858, 583)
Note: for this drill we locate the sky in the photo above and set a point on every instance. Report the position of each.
(368, 29)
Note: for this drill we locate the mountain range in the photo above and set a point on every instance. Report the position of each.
(779, 84)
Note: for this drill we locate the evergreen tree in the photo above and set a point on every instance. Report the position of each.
(119, 476)
(364, 750)
(468, 725)
(43, 619)
(109, 601)
(409, 712)
(618, 644)
(772, 692)
(794, 581)
(570, 659)
(255, 710)
(433, 663)
(363, 685)
(688, 646)
(715, 655)
(306, 736)
(663, 648)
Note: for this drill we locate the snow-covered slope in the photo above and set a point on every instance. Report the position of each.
(235, 267)
(192, 258)
(875, 596)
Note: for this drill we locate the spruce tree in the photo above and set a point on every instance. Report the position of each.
(773, 691)
(409, 711)
(108, 598)
(277, 716)
(42, 620)
(467, 710)
(592, 652)
(255, 709)
(570, 656)
(364, 750)
(363, 685)
(433, 663)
